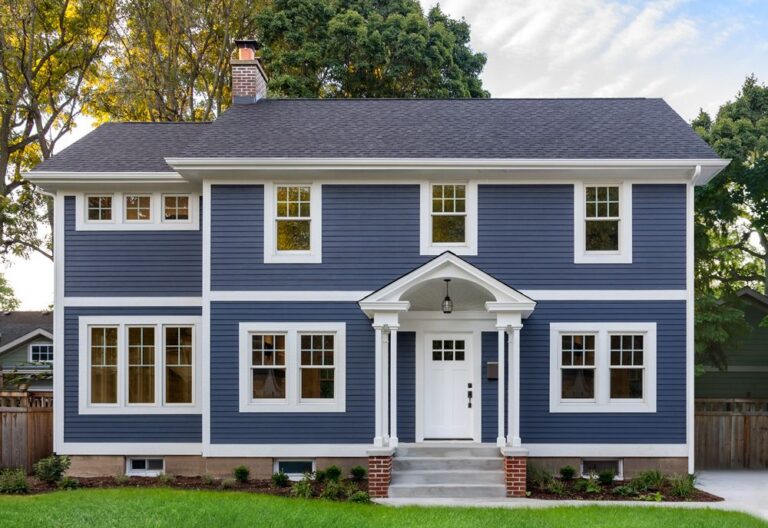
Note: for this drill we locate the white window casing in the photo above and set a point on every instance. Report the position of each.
(292, 401)
(152, 466)
(40, 350)
(602, 401)
(624, 253)
(120, 222)
(427, 246)
(315, 253)
(278, 463)
(122, 406)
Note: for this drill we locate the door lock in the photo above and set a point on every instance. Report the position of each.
(469, 395)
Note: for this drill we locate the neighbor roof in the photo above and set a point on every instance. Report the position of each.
(14, 325)
(398, 128)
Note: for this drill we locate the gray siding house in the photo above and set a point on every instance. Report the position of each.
(428, 286)
(26, 350)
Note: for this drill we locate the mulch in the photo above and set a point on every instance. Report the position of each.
(606, 494)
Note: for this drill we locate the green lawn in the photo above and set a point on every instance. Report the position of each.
(209, 509)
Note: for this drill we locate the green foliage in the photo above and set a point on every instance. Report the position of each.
(649, 480)
(537, 477)
(303, 489)
(357, 48)
(567, 472)
(606, 476)
(166, 479)
(556, 487)
(69, 483)
(683, 486)
(625, 491)
(652, 497)
(332, 490)
(51, 469)
(227, 483)
(242, 473)
(580, 485)
(360, 497)
(333, 473)
(280, 479)
(358, 472)
(592, 484)
(208, 479)
(121, 480)
(720, 327)
(320, 476)
(13, 481)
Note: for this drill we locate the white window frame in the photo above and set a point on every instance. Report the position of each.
(143, 472)
(315, 253)
(119, 221)
(602, 401)
(152, 207)
(122, 323)
(427, 246)
(620, 465)
(624, 253)
(40, 343)
(293, 476)
(293, 401)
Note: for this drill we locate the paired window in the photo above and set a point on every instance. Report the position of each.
(293, 223)
(603, 223)
(607, 367)
(292, 367)
(449, 218)
(41, 353)
(139, 363)
(136, 211)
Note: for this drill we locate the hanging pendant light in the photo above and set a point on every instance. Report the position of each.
(447, 302)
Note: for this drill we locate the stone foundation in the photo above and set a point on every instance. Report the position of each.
(379, 475)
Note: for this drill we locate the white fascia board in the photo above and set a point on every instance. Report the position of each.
(129, 448)
(126, 176)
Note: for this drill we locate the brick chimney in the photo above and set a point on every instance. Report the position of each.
(249, 80)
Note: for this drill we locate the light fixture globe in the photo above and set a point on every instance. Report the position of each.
(447, 304)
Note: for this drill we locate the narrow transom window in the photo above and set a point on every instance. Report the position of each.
(138, 208)
(317, 366)
(178, 364)
(448, 350)
(602, 218)
(175, 208)
(293, 218)
(99, 208)
(578, 366)
(141, 364)
(268, 366)
(449, 214)
(41, 353)
(103, 352)
(627, 366)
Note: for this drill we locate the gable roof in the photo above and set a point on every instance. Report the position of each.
(754, 295)
(557, 129)
(18, 327)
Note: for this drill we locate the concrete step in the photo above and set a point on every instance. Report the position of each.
(447, 477)
(447, 491)
(401, 463)
(437, 450)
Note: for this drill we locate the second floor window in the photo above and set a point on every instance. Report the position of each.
(99, 208)
(602, 223)
(176, 208)
(294, 217)
(41, 353)
(449, 214)
(293, 223)
(138, 208)
(602, 218)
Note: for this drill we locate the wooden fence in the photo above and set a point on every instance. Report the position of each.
(731, 434)
(26, 428)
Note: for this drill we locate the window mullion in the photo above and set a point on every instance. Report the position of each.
(602, 364)
(292, 358)
(160, 365)
(122, 366)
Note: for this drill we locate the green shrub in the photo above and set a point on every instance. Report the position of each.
(227, 483)
(332, 490)
(580, 485)
(333, 473)
(121, 480)
(51, 469)
(208, 480)
(242, 473)
(653, 497)
(320, 476)
(303, 489)
(649, 480)
(69, 483)
(625, 491)
(166, 479)
(358, 472)
(592, 484)
(13, 481)
(556, 487)
(567, 472)
(606, 477)
(683, 486)
(280, 479)
(360, 497)
(537, 477)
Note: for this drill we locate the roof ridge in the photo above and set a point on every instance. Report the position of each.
(455, 99)
(157, 123)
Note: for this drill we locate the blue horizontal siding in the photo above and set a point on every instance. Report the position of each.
(406, 386)
(229, 426)
(371, 237)
(130, 263)
(490, 388)
(144, 428)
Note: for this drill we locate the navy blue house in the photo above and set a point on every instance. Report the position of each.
(307, 282)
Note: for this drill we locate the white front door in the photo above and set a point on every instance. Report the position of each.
(448, 409)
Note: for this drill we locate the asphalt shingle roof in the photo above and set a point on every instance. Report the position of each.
(14, 325)
(398, 128)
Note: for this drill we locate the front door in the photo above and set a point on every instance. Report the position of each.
(448, 387)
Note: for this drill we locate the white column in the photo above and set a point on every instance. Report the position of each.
(393, 387)
(513, 402)
(378, 438)
(500, 437)
(385, 385)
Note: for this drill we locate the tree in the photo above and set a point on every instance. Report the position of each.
(8, 300)
(49, 51)
(169, 59)
(367, 48)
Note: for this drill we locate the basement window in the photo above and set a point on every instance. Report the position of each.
(595, 466)
(145, 467)
(295, 469)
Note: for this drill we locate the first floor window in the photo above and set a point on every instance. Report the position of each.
(99, 208)
(176, 208)
(627, 366)
(41, 353)
(578, 366)
(178, 364)
(317, 366)
(138, 207)
(141, 364)
(103, 350)
(268, 366)
(293, 217)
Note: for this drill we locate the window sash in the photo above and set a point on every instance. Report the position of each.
(103, 371)
(41, 353)
(318, 349)
(142, 365)
(178, 367)
(102, 207)
(451, 204)
(173, 210)
(142, 205)
(278, 362)
(592, 207)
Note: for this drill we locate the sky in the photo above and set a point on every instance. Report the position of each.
(694, 54)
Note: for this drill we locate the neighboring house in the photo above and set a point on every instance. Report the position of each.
(746, 376)
(270, 289)
(26, 349)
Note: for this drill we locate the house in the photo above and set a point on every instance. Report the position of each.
(428, 286)
(26, 350)
(746, 376)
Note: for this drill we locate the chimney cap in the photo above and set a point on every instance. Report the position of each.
(248, 43)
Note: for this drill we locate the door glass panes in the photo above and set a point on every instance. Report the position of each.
(448, 349)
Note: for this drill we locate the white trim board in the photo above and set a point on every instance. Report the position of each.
(129, 448)
(127, 302)
(288, 450)
(58, 323)
(606, 450)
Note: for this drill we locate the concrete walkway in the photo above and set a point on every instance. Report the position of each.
(745, 491)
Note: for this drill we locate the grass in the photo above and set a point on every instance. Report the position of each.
(162, 507)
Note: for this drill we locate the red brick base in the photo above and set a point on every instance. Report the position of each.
(514, 471)
(379, 475)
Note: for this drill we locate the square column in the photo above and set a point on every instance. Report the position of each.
(513, 427)
(378, 434)
(501, 437)
(393, 441)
